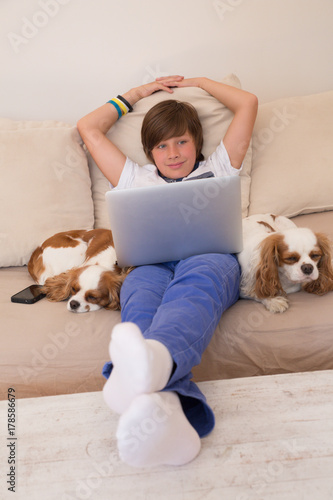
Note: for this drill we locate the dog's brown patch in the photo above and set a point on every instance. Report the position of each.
(35, 265)
(64, 239)
(272, 230)
(98, 240)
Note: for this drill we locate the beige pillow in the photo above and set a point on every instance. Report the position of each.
(126, 134)
(292, 165)
(45, 186)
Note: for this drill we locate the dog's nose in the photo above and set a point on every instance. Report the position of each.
(74, 304)
(307, 268)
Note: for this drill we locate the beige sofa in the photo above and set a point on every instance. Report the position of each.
(49, 184)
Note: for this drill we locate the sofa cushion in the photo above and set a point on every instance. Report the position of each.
(292, 156)
(45, 186)
(47, 350)
(126, 134)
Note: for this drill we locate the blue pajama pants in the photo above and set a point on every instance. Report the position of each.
(180, 304)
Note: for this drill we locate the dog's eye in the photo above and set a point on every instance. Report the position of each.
(73, 291)
(315, 256)
(291, 260)
(91, 298)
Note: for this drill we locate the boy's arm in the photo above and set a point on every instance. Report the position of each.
(244, 106)
(94, 127)
(107, 156)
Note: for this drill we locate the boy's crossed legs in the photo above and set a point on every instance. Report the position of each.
(153, 428)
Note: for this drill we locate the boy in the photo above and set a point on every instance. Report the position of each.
(170, 310)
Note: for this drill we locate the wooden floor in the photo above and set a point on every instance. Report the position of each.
(273, 440)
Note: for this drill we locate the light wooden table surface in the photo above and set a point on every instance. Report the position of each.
(273, 440)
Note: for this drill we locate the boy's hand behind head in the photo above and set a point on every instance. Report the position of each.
(165, 83)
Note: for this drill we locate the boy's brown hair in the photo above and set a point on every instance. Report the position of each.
(168, 119)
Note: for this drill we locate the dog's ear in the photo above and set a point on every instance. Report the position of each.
(324, 283)
(267, 282)
(112, 282)
(58, 288)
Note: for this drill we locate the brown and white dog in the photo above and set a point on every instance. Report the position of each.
(79, 264)
(279, 258)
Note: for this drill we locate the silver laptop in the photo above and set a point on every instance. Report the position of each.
(174, 221)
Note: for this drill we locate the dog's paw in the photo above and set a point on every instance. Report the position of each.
(276, 304)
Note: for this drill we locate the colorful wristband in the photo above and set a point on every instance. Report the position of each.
(129, 107)
(120, 106)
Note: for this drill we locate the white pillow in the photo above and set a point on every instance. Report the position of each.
(126, 135)
(292, 170)
(45, 186)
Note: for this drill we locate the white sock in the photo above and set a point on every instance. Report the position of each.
(140, 366)
(155, 431)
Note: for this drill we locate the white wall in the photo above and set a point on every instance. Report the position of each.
(62, 58)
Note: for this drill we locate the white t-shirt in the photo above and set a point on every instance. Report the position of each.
(217, 165)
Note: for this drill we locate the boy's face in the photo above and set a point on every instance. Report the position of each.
(175, 157)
